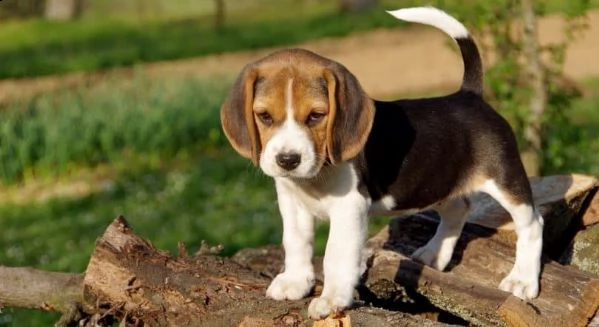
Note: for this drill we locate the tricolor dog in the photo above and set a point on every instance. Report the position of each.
(337, 154)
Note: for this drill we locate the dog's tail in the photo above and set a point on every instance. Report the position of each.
(473, 72)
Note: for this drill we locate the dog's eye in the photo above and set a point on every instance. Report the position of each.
(314, 118)
(265, 118)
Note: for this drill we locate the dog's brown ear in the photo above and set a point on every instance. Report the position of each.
(351, 114)
(237, 116)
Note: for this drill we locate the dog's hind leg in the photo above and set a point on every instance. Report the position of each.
(439, 249)
(516, 198)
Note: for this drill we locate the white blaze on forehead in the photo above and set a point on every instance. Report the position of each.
(289, 99)
(290, 137)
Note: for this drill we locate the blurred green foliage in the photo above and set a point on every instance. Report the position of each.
(39, 47)
(142, 31)
(51, 133)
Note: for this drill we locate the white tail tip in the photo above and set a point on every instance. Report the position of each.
(434, 17)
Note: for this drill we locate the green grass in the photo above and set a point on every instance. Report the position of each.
(54, 133)
(115, 34)
(38, 47)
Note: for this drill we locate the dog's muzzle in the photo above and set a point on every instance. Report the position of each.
(288, 161)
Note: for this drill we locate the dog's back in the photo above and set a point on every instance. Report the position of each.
(421, 151)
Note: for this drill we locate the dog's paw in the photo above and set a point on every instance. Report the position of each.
(323, 306)
(524, 286)
(432, 257)
(290, 286)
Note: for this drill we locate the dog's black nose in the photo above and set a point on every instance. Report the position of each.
(288, 161)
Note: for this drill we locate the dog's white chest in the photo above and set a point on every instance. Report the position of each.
(336, 188)
(315, 204)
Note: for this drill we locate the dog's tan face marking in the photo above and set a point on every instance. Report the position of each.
(291, 110)
(290, 103)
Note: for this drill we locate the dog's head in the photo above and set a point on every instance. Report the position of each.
(293, 110)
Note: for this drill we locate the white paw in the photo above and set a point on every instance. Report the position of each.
(432, 257)
(321, 307)
(524, 286)
(290, 286)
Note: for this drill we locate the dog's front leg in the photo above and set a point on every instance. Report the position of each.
(343, 257)
(297, 278)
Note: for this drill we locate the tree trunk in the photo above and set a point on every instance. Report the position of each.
(533, 132)
(357, 5)
(220, 13)
(63, 9)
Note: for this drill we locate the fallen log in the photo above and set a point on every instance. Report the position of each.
(132, 281)
(569, 297)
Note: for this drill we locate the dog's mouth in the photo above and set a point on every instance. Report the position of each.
(292, 174)
(305, 171)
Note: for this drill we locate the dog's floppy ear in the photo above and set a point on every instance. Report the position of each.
(351, 114)
(237, 116)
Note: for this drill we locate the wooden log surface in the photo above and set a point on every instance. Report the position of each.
(591, 214)
(36, 289)
(131, 280)
(569, 297)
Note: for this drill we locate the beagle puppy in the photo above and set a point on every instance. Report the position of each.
(337, 154)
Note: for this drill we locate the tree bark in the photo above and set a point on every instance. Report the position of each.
(533, 133)
(37, 289)
(569, 297)
(133, 281)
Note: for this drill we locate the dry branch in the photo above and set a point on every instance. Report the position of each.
(37, 289)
